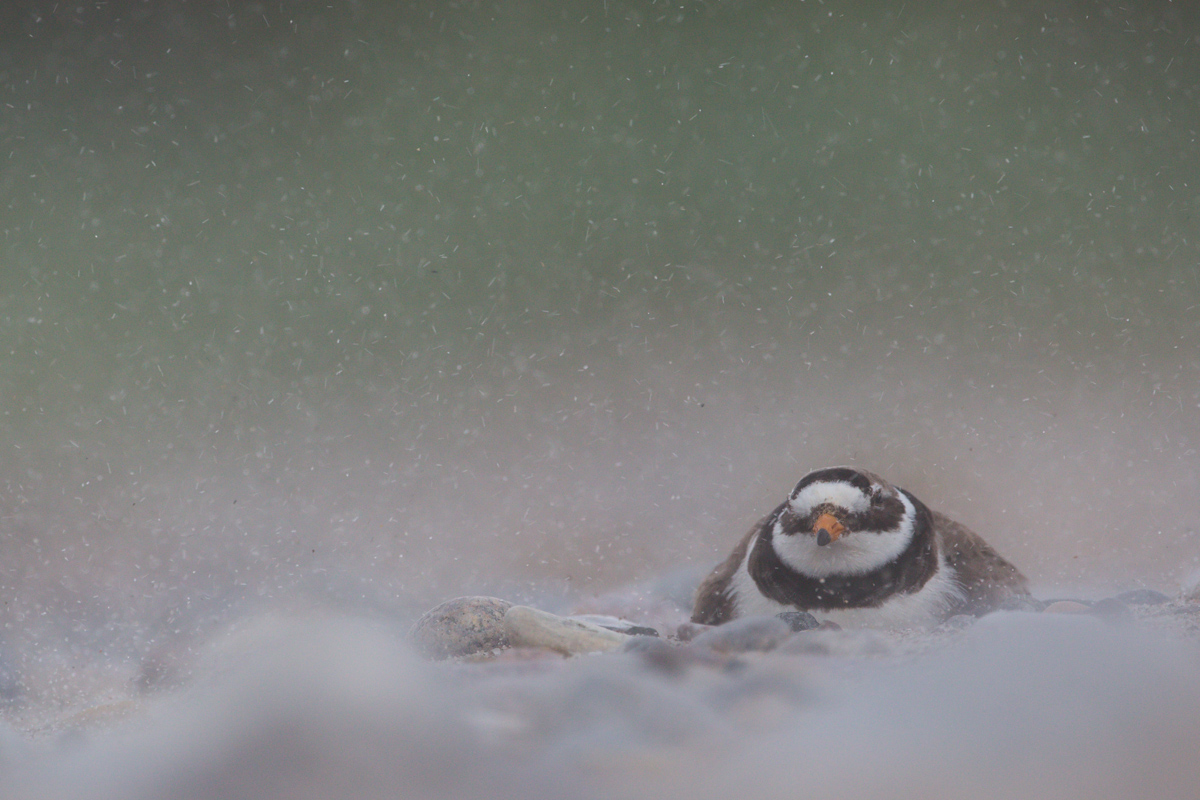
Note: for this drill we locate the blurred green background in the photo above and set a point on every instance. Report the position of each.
(378, 303)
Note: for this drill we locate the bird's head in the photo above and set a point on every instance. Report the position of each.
(843, 519)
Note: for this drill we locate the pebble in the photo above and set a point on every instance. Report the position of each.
(460, 627)
(799, 620)
(1067, 607)
(744, 635)
(530, 627)
(1142, 597)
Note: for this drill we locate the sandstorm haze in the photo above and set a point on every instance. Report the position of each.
(376, 303)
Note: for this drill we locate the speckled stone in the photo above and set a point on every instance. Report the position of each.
(745, 635)
(530, 627)
(460, 627)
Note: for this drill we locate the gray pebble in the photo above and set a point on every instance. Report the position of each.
(638, 630)
(799, 620)
(461, 627)
(530, 627)
(745, 635)
(1142, 597)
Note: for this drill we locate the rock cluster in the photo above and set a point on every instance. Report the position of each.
(483, 627)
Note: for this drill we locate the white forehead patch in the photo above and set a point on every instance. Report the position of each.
(838, 493)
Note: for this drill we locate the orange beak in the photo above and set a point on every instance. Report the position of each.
(827, 529)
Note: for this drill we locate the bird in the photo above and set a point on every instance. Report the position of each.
(851, 548)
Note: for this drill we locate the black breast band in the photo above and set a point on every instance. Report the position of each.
(907, 573)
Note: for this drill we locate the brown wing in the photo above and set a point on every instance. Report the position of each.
(714, 604)
(987, 580)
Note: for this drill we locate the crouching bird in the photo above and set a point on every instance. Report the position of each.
(849, 547)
